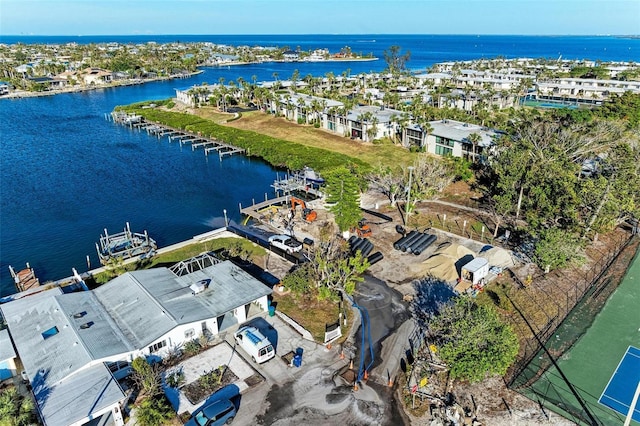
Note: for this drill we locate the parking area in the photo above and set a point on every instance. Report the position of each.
(276, 371)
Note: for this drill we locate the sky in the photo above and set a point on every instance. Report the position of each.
(129, 17)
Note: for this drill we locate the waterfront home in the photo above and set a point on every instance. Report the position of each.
(301, 108)
(368, 123)
(96, 76)
(48, 83)
(582, 90)
(4, 89)
(290, 56)
(74, 347)
(318, 55)
(451, 138)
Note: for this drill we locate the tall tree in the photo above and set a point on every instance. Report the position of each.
(396, 60)
(474, 138)
(388, 182)
(344, 196)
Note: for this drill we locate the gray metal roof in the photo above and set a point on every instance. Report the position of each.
(147, 304)
(459, 131)
(308, 100)
(139, 316)
(382, 114)
(6, 347)
(65, 391)
(58, 355)
(78, 396)
(228, 287)
(94, 326)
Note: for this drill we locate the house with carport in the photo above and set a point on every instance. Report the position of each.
(75, 346)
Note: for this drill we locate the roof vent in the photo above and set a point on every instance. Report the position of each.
(86, 325)
(79, 314)
(200, 286)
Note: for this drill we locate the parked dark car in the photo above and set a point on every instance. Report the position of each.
(215, 414)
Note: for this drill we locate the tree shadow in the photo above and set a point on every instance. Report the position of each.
(41, 390)
(431, 294)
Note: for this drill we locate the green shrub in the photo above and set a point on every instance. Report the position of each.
(16, 410)
(298, 281)
(176, 379)
(154, 411)
(192, 347)
(460, 167)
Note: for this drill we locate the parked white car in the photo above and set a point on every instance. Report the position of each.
(285, 243)
(255, 344)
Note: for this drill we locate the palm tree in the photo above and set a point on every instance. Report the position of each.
(474, 138)
(426, 131)
(294, 78)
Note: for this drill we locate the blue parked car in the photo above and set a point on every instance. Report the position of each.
(215, 414)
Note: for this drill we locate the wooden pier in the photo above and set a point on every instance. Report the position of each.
(253, 211)
(160, 130)
(25, 278)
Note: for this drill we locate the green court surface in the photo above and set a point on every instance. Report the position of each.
(593, 359)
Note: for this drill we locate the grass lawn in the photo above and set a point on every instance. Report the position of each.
(213, 114)
(308, 311)
(386, 154)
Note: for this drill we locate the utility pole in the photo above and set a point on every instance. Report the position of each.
(406, 207)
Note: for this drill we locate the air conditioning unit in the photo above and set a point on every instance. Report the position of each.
(199, 287)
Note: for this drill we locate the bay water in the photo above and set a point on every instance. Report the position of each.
(66, 172)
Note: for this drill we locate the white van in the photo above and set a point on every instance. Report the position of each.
(255, 344)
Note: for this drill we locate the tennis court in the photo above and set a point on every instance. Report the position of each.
(590, 365)
(622, 391)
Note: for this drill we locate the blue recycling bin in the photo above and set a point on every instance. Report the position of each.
(297, 360)
(272, 310)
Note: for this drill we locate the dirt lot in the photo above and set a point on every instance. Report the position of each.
(491, 401)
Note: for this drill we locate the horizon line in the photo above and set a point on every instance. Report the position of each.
(321, 34)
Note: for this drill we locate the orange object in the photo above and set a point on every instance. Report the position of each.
(390, 382)
(351, 365)
(308, 214)
(342, 354)
(366, 375)
(329, 345)
(355, 386)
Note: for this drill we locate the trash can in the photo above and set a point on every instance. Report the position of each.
(297, 360)
(272, 310)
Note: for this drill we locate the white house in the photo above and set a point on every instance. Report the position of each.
(96, 76)
(368, 122)
(451, 138)
(73, 346)
(302, 107)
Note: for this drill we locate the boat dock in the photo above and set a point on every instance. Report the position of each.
(24, 279)
(183, 137)
(124, 245)
(254, 211)
(298, 183)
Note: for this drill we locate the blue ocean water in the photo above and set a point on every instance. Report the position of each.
(66, 172)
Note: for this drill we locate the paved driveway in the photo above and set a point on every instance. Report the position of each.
(276, 371)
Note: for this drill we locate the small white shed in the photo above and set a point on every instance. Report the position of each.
(475, 270)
